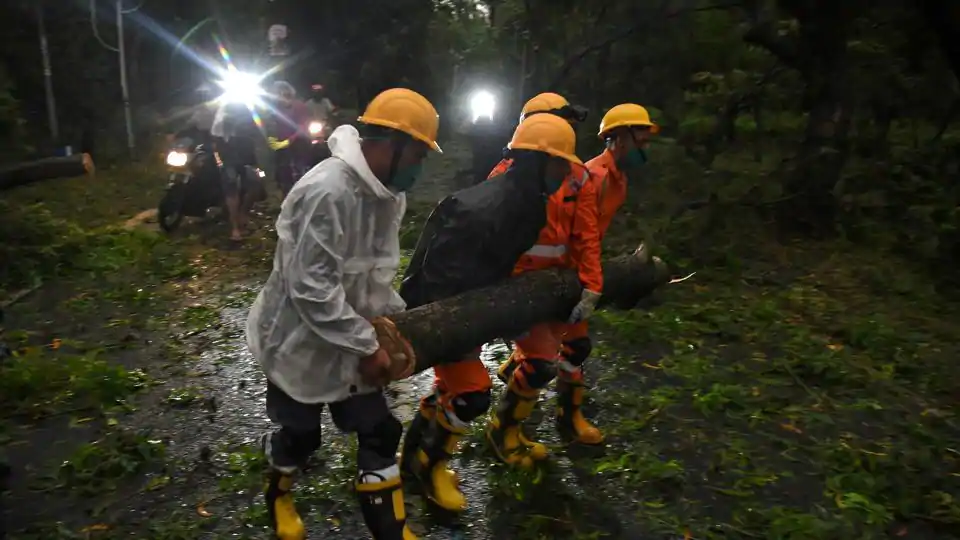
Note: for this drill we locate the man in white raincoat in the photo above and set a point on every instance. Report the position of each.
(337, 254)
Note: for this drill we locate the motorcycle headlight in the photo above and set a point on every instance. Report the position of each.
(315, 128)
(176, 159)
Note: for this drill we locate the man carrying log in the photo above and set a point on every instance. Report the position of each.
(573, 222)
(310, 330)
(472, 240)
(626, 131)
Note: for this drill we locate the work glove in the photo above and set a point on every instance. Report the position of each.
(585, 307)
(277, 144)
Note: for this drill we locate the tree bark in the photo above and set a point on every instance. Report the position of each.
(45, 169)
(447, 330)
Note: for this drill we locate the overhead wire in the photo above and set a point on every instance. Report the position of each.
(96, 32)
(134, 9)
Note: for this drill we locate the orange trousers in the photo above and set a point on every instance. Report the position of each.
(545, 342)
(467, 375)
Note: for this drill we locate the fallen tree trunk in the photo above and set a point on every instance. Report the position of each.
(45, 169)
(445, 331)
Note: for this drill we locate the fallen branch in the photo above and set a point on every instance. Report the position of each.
(45, 169)
(17, 296)
(445, 331)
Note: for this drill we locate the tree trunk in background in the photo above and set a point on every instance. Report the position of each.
(45, 169)
(444, 331)
(823, 153)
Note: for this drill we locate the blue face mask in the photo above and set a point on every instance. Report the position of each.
(634, 159)
(405, 178)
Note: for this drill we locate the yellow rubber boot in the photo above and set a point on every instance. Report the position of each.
(412, 439)
(570, 419)
(440, 484)
(537, 451)
(283, 514)
(506, 369)
(381, 502)
(504, 431)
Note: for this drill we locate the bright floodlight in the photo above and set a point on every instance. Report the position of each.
(240, 87)
(315, 128)
(482, 104)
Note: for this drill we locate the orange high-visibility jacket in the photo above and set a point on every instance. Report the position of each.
(571, 227)
(611, 188)
(500, 168)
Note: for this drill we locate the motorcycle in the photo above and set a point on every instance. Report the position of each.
(194, 182)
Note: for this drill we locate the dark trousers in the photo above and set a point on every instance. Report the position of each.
(367, 415)
(290, 164)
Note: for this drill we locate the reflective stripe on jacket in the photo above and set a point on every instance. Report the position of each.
(571, 227)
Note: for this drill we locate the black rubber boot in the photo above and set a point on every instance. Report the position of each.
(411, 441)
(382, 506)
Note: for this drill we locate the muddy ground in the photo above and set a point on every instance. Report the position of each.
(807, 393)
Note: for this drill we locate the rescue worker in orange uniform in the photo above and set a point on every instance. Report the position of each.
(471, 240)
(560, 349)
(562, 207)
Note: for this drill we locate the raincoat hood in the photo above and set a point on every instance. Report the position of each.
(344, 144)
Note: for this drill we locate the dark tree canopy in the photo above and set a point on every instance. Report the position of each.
(817, 114)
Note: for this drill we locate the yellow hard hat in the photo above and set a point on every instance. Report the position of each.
(407, 111)
(626, 114)
(544, 102)
(546, 133)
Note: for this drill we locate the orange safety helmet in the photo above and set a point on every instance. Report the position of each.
(549, 102)
(546, 133)
(626, 115)
(406, 111)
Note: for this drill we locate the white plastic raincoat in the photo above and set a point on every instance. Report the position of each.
(337, 254)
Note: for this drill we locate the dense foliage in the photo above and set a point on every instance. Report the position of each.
(802, 386)
(821, 116)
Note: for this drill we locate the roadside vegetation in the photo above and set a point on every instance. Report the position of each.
(801, 385)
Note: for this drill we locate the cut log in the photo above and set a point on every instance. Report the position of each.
(45, 169)
(445, 331)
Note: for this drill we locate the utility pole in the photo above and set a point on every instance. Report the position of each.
(121, 50)
(47, 76)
